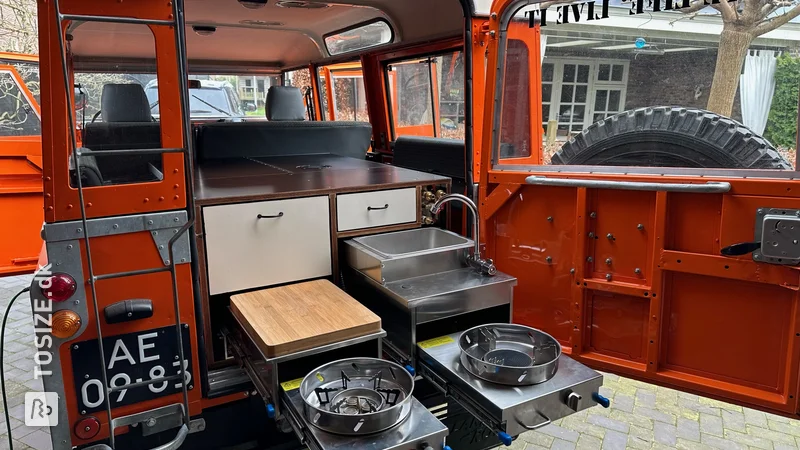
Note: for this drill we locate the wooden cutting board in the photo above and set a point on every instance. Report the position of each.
(300, 316)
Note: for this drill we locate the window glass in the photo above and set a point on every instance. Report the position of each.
(29, 72)
(369, 35)
(638, 71)
(427, 96)
(17, 115)
(251, 90)
(346, 84)
(121, 108)
(301, 79)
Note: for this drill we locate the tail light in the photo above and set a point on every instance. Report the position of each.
(65, 323)
(61, 287)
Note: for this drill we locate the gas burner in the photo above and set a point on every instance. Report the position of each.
(357, 396)
(357, 401)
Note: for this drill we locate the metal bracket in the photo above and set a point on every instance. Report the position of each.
(778, 231)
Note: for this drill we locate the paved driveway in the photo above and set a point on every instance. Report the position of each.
(641, 416)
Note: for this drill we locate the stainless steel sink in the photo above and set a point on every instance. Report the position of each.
(414, 242)
(405, 254)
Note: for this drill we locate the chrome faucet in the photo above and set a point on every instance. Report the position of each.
(485, 266)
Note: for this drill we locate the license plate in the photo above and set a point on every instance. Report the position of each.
(130, 358)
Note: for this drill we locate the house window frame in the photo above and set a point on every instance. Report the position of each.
(593, 85)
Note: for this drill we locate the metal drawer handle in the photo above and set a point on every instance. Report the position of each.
(275, 216)
(711, 187)
(372, 208)
(535, 426)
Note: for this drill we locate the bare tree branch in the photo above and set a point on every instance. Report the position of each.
(773, 23)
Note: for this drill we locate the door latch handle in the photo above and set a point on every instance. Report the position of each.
(741, 248)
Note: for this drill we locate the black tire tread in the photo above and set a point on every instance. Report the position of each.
(735, 145)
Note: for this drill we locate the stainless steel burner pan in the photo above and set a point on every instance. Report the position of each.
(361, 373)
(509, 354)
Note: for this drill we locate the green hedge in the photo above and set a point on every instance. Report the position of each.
(782, 122)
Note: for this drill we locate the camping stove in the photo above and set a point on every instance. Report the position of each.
(362, 403)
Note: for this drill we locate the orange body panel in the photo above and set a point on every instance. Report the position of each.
(20, 190)
(688, 318)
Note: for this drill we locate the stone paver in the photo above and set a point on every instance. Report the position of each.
(641, 416)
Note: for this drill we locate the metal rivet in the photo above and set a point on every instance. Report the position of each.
(610, 236)
(177, 219)
(608, 261)
(77, 302)
(69, 247)
(79, 230)
(593, 214)
(149, 222)
(166, 262)
(492, 33)
(589, 259)
(176, 357)
(494, 15)
(191, 387)
(591, 235)
(549, 259)
(608, 277)
(760, 211)
(83, 412)
(572, 270)
(640, 226)
(175, 231)
(183, 259)
(151, 422)
(130, 314)
(756, 256)
(549, 218)
(86, 377)
(186, 325)
(637, 271)
(75, 346)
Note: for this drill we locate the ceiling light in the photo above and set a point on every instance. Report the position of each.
(261, 23)
(253, 4)
(204, 30)
(301, 4)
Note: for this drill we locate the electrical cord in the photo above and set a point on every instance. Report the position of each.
(2, 372)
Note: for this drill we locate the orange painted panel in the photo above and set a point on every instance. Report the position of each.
(729, 330)
(106, 253)
(694, 222)
(616, 325)
(619, 214)
(524, 240)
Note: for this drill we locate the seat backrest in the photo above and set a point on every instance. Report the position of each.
(124, 103)
(285, 103)
(433, 155)
(127, 124)
(255, 139)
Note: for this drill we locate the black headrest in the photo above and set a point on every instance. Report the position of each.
(124, 103)
(285, 103)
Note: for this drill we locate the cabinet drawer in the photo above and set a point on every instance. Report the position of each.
(243, 251)
(376, 209)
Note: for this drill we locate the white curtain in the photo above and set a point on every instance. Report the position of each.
(756, 87)
(543, 40)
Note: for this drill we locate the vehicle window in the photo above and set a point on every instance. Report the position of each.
(301, 79)
(121, 109)
(345, 82)
(359, 38)
(17, 116)
(29, 72)
(427, 96)
(619, 97)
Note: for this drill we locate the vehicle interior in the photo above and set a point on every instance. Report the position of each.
(391, 186)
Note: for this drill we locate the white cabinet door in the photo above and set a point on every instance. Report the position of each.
(257, 244)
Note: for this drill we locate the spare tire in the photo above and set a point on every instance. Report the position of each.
(666, 136)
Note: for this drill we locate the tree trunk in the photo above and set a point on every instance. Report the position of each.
(733, 46)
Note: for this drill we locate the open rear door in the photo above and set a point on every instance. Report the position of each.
(625, 265)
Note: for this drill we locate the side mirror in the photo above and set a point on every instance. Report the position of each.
(251, 107)
(80, 98)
